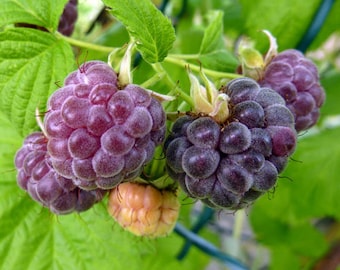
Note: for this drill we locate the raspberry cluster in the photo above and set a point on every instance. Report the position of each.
(296, 79)
(37, 176)
(231, 164)
(68, 18)
(98, 134)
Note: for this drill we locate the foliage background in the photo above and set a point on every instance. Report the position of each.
(33, 63)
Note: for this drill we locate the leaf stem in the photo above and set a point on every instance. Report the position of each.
(175, 91)
(157, 164)
(184, 56)
(213, 73)
(152, 80)
(158, 68)
(239, 220)
(234, 246)
(84, 44)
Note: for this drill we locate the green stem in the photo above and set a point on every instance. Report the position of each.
(152, 80)
(175, 91)
(239, 220)
(160, 70)
(184, 56)
(185, 97)
(232, 245)
(84, 44)
(155, 169)
(213, 73)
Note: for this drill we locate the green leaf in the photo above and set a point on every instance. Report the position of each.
(282, 258)
(284, 19)
(330, 81)
(34, 239)
(220, 60)
(10, 140)
(315, 186)
(213, 52)
(309, 187)
(314, 170)
(149, 28)
(43, 13)
(32, 64)
(212, 38)
(295, 239)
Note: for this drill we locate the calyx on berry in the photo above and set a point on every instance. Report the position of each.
(207, 99)
(253, 63)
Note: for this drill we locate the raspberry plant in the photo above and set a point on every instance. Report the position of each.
(146, 110)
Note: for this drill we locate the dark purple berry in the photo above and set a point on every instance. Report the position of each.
(229, 165)
(296, 79)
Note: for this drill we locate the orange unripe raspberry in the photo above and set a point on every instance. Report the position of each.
(144, 210)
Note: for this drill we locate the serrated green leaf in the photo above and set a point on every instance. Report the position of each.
(43, 13)
(149, 28)
(32, 64)
(35, 239)
(284, 19)
(213, 52)
(10, 140)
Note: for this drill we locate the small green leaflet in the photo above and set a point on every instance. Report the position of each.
(213, 52)
(147, 26)
(43, 13)
(212, 38)
(32, 64)
(286, 20)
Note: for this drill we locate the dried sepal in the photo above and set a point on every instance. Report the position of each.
(125, 74)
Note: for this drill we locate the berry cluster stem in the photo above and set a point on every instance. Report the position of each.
(234, 246)
(178, 60)
(172, 85)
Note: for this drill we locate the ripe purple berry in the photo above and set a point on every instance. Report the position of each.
(229, 165)
(68, 18)
(43, 184)
(99, 134)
